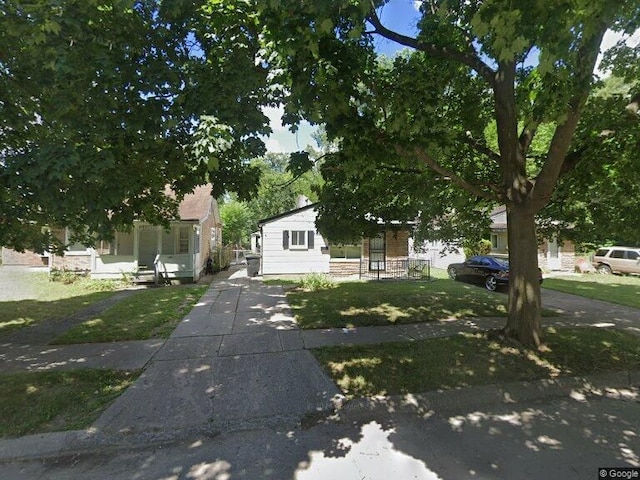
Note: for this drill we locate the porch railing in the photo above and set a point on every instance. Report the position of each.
(409, 269)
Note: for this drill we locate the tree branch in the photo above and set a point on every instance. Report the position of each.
(456, 179)
(526, 136)
(470, 60)
(546, 180)
(481, 147)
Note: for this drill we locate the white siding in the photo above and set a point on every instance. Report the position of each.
(436, 252)
(278, 261)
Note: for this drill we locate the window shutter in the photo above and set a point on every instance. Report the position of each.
(310, 237)
(285, 239)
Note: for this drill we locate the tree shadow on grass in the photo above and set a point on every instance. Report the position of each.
(36, 320)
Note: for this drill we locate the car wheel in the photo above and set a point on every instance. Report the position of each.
(604, 269)
(453, 273)
(491, 283)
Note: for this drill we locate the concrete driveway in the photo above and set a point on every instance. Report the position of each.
(15, 282)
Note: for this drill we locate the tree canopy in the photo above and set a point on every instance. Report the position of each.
(102, 104)
(413, 131)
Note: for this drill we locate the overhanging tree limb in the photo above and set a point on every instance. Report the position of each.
(439, 51)
(481, 147)
(435, 166)
(546, 180)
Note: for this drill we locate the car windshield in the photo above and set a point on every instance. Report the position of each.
(502, 263)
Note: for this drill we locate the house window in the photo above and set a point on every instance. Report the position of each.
(377, 252)
(183, 239)
(298, 239)
(494, 241)
(64, 235)
(196, 240)
(344, 251)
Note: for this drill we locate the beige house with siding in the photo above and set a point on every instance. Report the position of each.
(146, 252)
(552, 255)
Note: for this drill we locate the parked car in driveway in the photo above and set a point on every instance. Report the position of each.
(608, 260)
(491, 271)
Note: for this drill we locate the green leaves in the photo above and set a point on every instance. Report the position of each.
(299, 163)
(210, 139)
(104, 105)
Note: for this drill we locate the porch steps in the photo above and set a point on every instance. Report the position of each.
(147, 276)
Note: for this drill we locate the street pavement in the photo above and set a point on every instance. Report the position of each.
(236, 393)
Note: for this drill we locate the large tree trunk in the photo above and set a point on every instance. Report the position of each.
(524, 321)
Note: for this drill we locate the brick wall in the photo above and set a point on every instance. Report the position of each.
(74, 263)
(31, 259)
(396, 245)
(344, 268)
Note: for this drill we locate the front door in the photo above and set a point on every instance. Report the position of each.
(553, 255)
(147, 246)
(377, 253)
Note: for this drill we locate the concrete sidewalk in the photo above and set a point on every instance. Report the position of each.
(242, 316)
(239, 361)
(236, 359)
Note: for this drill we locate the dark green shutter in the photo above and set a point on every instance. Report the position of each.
(310, 237)
(285, 239)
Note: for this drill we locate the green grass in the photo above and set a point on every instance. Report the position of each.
(354, 304)
(152, 313)
(39, 402)
(471, 359)
(610, 288)
(51, 300)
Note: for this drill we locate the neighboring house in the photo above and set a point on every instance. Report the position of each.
(28, 258)
(290, 245)
(436, 252)
(179, 253)
(552, 255)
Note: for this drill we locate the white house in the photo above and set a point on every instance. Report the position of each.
(552, 255)
(436, 252)
(290, 244)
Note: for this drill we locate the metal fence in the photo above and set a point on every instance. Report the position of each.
(411, 269)
(238, 256)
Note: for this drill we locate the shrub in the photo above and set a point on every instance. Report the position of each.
(317, 281)
(66, 277)
(481, 247)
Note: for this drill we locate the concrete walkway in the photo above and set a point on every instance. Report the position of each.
(237, 361)
(242, 316)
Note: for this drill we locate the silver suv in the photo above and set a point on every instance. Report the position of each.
(609, 260)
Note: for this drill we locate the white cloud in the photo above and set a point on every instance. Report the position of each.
(273, 145)
(274, 114)
(282, 140)
(609, 40)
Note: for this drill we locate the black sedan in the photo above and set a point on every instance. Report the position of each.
(493, 271)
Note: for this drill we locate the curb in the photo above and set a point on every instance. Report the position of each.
(463, 400)
(442, 402)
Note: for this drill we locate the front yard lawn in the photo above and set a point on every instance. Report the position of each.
(39, 402)
(152, 313)
(51, 300)
(356, 304)
(619, 289)
(471, 359)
